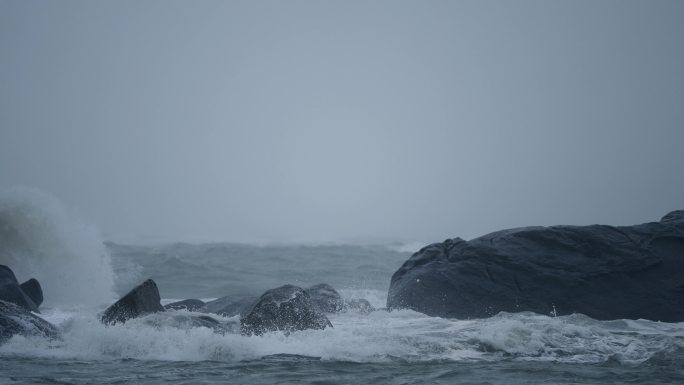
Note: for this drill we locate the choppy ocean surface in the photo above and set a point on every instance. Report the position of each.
(77, 272)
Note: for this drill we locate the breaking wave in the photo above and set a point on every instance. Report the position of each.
(40, 238)
(381, 336)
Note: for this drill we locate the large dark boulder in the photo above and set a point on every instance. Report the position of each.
(604, 272)
(11, 291)
(325, 298)
(287, 308)
(186, 304)
(143, 299)
(16, 320)
(230, 306)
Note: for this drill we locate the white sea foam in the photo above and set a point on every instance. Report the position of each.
(39, 238)
(378, 337)
(377, 298)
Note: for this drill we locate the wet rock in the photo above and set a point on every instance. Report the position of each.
(11, 291)
(604, 272)
(143, 299)
(359, 305)
(187, 304)
(287, 308)
(33, 290)
(16, 320)
(325, 298)
(230, 306)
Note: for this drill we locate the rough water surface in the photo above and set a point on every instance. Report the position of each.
(397, 347)
(382, 347)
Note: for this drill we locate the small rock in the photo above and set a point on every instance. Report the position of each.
(11, 291)
(33, 290)
(187, 321)
(287, 308)
(359, 305)
(143, 299)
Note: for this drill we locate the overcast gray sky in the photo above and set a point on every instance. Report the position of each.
(322, 120)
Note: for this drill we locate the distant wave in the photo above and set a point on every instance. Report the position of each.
(409, 247)
(39, 238)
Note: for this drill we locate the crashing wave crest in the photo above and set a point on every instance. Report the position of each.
(39, 238)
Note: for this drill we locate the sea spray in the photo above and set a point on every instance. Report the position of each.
(380, 347)
(380, 337)
(40, 238)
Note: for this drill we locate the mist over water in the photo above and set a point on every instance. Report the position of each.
(40, 238)
(223, 148)
(245, 121)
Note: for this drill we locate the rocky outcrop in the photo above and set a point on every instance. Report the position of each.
(187, 304)
(325, 298)
(287, 308)
(604, 272)
(11, 291)
(143, 299)
(17, 320)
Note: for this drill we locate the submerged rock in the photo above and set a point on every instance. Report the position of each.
(186, 321)
(230, 306)
(16, 320)
(287, 308)
(359, 305)
(187, 304)
(604, 272)
(11, 291)
(328, 300)
(325, 298)
(143, 299)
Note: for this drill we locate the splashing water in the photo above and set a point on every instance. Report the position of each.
(39, 238)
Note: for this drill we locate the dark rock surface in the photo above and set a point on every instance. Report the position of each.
(230, 306)
(143, 299)
(15, 319)
(11, 291)
(325, 298)
(287, 308)
(604, 272)
(33, 290)
(187, 304)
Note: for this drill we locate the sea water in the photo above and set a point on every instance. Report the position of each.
(81, 275)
